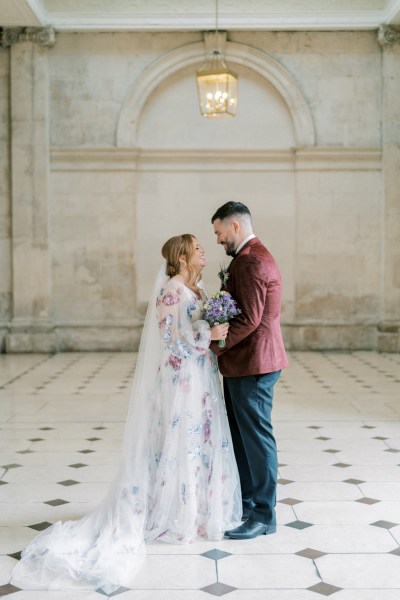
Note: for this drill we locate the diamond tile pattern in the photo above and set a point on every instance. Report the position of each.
(350, 400)
(56, 502)
(385, 524)
(290, 501)
(68, 482)
(8, 589)
(218, 589)
(310, 553)
(40, 526)
(325, 589)
(216, 554)
(299, 525)
(117, 592)
(354, 481)
(367, 500)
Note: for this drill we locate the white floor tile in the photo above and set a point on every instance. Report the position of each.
(23, 514)
(347, 513)
(56, 595)
(175, 572)
(14, 539)
(395, 532)
(376, 571)
(345, 539)
(7, 565)
(382, 490)
(163, 595)
(297, 594)
(365, 594)
(314, 491)
(267, 572)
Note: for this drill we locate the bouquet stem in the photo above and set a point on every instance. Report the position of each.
(221, 343)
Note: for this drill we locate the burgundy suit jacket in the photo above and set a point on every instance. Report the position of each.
(254, 344)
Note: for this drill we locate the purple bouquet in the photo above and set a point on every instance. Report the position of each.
(219, 309)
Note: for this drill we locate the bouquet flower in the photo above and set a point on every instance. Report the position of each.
(219, 309)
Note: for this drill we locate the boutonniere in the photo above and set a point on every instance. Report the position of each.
(223, 275)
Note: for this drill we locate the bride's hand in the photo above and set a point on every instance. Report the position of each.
(219, 332)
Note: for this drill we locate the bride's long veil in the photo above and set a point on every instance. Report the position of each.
(105, 548)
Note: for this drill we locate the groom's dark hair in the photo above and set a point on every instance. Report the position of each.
(230, 209)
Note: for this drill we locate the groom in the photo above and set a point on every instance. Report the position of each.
(251, 363)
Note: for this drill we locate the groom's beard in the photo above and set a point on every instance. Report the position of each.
(230, 249)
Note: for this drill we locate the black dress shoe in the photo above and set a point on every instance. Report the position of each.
(250, 529)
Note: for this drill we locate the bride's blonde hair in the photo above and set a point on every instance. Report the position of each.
(173, 249)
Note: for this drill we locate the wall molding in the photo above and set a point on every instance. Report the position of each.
(252, 19)
(338, 158)
(93, 159)
(118, 338)
(329, 158)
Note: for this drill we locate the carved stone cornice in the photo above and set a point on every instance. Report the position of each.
(43, 36)
(388, 35)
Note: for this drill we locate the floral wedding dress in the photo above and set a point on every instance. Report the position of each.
(178, 481)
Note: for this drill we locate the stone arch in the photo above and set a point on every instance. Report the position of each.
(193, 54)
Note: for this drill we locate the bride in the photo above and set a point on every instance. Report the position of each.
(178, 480)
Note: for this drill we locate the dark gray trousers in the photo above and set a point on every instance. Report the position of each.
(249, 406)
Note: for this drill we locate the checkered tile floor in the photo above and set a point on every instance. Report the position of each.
(337, 423)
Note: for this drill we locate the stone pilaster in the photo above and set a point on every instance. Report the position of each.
(31, 329)
(43, 36)
(5, 201)
(389, 329)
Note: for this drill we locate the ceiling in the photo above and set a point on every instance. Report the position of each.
(199, 15)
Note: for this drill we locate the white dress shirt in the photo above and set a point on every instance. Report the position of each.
(250, 237)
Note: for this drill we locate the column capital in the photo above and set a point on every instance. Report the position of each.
(388, 35)
(43, 36)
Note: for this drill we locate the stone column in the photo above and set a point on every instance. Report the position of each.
(31, 329)
(389, 328)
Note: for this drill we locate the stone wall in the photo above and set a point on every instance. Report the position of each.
(5, 209)
(110, 157)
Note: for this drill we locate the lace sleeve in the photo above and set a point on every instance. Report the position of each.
(178, 333)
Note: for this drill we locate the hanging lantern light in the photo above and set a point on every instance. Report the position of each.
(217, 85)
